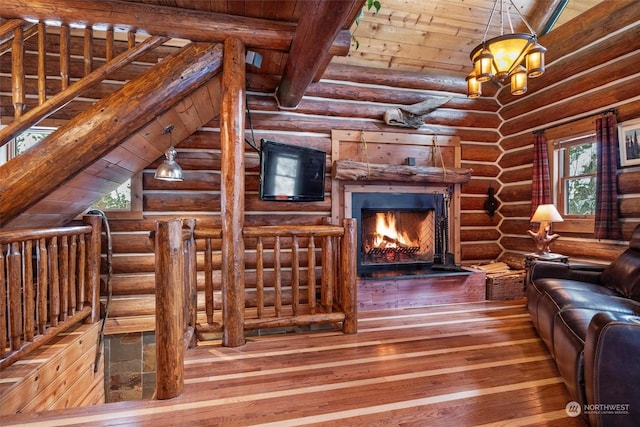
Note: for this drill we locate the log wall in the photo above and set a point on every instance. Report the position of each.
(594, 69)
(349, 99)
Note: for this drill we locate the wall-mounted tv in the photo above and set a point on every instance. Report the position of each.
(291, 173)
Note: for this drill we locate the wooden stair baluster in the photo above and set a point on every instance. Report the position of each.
(88, 51)
(17, 72)
(29, 297)
(65, 56)
(109, 44)
(42, 65)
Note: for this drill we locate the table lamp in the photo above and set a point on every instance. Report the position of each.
(545, 215)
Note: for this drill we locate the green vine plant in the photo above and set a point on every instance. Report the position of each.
(375, 4)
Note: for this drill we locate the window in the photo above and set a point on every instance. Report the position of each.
(574, 178)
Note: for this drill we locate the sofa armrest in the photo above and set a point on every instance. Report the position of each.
(612, 379)
(582, 272)
(544, 269)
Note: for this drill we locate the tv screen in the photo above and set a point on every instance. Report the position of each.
(291, 173)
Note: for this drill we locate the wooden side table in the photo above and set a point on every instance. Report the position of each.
(530, 258)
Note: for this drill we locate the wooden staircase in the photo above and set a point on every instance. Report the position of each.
(100, 146)
(59, 374)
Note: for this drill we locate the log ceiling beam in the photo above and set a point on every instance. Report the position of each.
(317, 30)
(194, 25)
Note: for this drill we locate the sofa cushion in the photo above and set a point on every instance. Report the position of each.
(623, 274)
(566, 297)
(547, 284)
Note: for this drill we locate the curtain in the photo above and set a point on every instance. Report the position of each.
(540, 187)
(606, 215)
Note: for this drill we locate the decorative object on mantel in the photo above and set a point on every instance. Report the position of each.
(545, 215)
(412, 116)
(350, 170)
(501, 57)
(169, 170)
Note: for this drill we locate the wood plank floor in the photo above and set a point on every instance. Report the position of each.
(471, 364)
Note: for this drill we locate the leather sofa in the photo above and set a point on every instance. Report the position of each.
(589, 318)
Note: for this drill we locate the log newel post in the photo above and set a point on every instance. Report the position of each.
(94, 248)
(232, 192)
(170, 300)
(348, 280)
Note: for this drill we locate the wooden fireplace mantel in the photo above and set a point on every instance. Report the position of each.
(360, 171)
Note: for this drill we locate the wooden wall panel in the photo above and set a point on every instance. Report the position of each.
(577, 85)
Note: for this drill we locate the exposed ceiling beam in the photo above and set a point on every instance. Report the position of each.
(317, 30)
(157, 20)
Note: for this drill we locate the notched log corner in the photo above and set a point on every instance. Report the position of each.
(350, 170)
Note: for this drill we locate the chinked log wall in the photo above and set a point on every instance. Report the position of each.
(578, 83)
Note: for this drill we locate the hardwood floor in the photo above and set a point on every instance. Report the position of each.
(467, 364)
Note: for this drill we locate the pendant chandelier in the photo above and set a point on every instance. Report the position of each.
(169, 170)
(502, 57)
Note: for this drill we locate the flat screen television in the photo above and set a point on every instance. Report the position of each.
(291, 173)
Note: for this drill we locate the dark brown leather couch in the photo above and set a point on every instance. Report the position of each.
(589, 318)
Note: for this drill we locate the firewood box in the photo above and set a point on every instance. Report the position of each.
(505, 285)
(505, 277)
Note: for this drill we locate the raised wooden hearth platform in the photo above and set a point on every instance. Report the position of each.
(421, 290)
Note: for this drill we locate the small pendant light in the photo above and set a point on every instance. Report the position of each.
(169, 170)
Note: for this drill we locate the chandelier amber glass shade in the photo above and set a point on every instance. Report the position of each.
(518, 80)
(535, 61)
(474, 88)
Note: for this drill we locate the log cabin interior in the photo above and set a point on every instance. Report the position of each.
(217, 299)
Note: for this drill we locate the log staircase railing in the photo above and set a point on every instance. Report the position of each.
(49, 281)
(304, 275)
(52, 97)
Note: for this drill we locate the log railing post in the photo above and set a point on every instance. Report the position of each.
(94, 248)
(232, 192)
(170, 299)
(348, 282)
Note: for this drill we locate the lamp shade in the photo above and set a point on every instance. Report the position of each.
(474, 87)
(546, 213)
(169, 170)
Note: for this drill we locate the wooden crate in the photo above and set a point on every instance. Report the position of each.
(505, 285)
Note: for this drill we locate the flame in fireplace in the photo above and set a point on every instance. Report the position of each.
(386, 234)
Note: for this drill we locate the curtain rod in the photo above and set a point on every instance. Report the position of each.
(607, 111)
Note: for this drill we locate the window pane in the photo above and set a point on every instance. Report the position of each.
(118, 199)
(581, 196)
(582, 159)
(29, 138)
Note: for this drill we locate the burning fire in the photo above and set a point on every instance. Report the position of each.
(386, 234)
